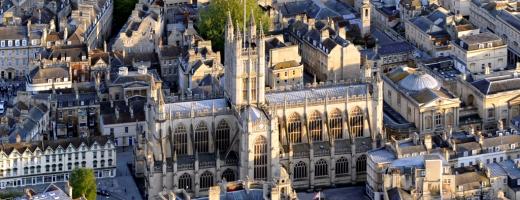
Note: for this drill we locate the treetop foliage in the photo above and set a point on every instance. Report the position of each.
(83, 182)
(213, 19)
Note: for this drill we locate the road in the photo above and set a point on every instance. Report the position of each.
(123, 185)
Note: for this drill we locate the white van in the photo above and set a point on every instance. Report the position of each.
(2, 109)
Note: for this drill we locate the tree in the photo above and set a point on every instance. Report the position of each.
(83, 182)
(213, 19)
(123, 8)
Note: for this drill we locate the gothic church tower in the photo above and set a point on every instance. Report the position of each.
(245, 89)
(245, 64)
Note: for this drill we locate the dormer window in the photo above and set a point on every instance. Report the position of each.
(9, 43)
(2, 43)
(490, 44)
(17, 42)
(24, 42)
(480, 46)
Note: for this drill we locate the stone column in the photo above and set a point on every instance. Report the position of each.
(196, 175)
(311, 168)
(353, 171)
(305, 136)
(332, 171)
(325, 132)
(189, 131)
(345, 126)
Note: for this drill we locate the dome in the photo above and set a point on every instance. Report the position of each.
(418, 81)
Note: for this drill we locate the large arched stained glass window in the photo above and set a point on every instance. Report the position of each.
(201, 138)
(260, 156)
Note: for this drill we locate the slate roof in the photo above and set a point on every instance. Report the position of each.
(495, 170)
(428, 95)
(496, 141)
(13, 32)
(432, 24)
(286, 64)
(170, 52)
(316, 93)
(136, 103)
(41, 75)
(75, 52)
(509, 18)
(96, 55)
(470, 180)
(494, 85)
(64, 143)
(471, 42)
(381, 155)
(398, 194)
(197, 106)
(395, 48)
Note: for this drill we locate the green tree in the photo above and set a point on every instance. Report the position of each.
(83, 182)
(122, 10)
(213, 19)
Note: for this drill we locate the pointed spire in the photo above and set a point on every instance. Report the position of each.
(252, 26)
(238, 34)
(261, 31)
(252, 21)
(229, 22)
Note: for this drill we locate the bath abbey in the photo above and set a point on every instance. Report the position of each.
(297, 137)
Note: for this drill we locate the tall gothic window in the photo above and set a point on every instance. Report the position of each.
(229, 175)
(294, 128)
(315, 126)
(342, 166)
(180, 140)
(300, 170)
(222, 136)
(185, 182)
(253, 89)
(260, 162)
(201, 138)
(321, 168)
(206, 180)
(336, 124)
(356, 122)
(244, 89)
(361, 164)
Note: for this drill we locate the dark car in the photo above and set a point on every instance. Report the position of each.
(103, 193)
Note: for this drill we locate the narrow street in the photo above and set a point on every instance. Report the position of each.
(123, 185)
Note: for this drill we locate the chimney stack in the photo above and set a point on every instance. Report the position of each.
(117, 112)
